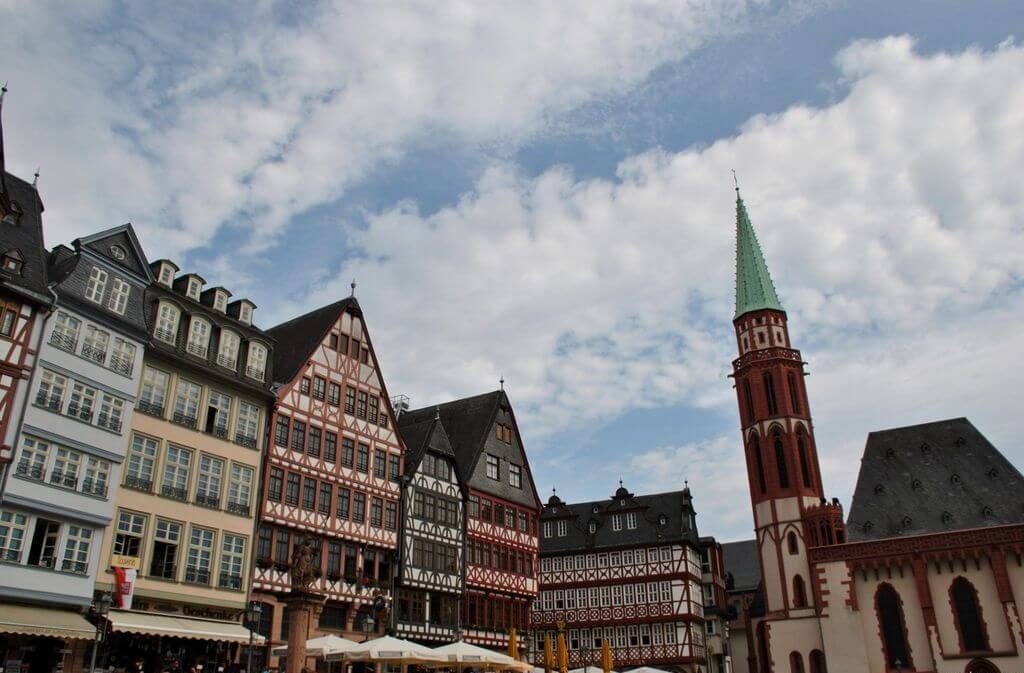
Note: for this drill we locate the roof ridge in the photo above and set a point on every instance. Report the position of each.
(310, 313)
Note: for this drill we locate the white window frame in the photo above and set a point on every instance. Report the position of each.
(166, 274)
(96, 477)
(210, 477)
(631, 520)
(248, 421)
(133, 525)
(227, 349)
(177, 469)
(256, 362)
(120, 290)
(198, 337)
(563, 528)
(83, 399)
(194, 288)
(220, 301)
(546, 529)
(199, 555)
(111, 413)
(240, 483)
(187, 395)
(66, 328)
(232, 559)
(13, 531)
(52, 386)
(155, 385)
(124, 353)
(168, 317)
(77, 546)
(96, 285)
(140, 463)
(33, 459)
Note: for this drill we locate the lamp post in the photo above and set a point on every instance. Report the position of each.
(252, 616)
(101, 607)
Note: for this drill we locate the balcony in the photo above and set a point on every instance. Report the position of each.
(92, 487)
(58, 478)
(28, 471)
(199, 350)
(208, 500)
(150, 408)
(226, 361)
(229, 581)
(91, 352)
(64, 341)
(108, 422)
(240, 508)
(139, 484)
(122, 365)
(197, 576)
(245, 440)
(174, 492)
(76, 567)
(166, 335)
(254, 373)
(180, 418)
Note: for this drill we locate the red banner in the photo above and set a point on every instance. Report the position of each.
(124, 588)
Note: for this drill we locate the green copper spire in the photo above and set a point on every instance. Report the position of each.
(754, 288)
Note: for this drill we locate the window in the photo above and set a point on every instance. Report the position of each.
(166, 274)
(376, 512)
(186, 403)
(8, 318)
(796, 661)
(122, 360)
(211, 474)
(492, 467)
(616, 522)
(391, 515)
(66, 464)
(220, 301)
(128, 536)
(769, 393)
(780, 461)
(291, 496)
(344, 496)
(330, 447)
(325, 498)
(275, 485)
(562, 529)
(631, 520)
(319, 388)
(32, 461)
(94, 347)
(379, 463)
(200, 556)
(218, 414)
(969, 621)
(799, 592)
(247, 424)
(503, 433)
(119, 292)
(245, 313)
(198, 337)
(97, 476)
(81, 401)
(176, 468)
(755, 449)
(350, 400)
(358, 507)
(794, 396)
(394, 467)
(256, 365)
(51, 390)
(313, 446)
(139, 464)
(153, 392)
(232, 555)
(96, 285)
(361, 397)
(167, 324)
(304, 385)
(281, 430)
(353, 348)
(76, 550)
(193, 288)
(298, 436)
(65, 332)
(889, 609)
(166, 539)
(363, 459)
(227, 349)
(818, 662)
(240, 489)
(805, 469)
(309, 494)
(12, 260)
(281, 543)
(515, 476)
(334, 394)
(791, 541)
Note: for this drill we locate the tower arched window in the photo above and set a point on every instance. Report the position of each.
(780, 460)
(892, 623)
(967, 611)
(796, 662)
(817, 659)
(794, 393)
(750, 399)
(769, 393)
(755, 448)
(792, 542)
(799, 592)
(801, 452)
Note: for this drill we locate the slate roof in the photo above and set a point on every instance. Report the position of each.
(932, 478)
(740, 559)
(661, 518)
(421, 435)
(26, 236)
(297, 337)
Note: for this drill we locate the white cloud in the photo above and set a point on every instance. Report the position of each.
(891, 219)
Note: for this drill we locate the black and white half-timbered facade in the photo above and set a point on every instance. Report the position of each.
(432, 552)
(627, 570)
(502, 515)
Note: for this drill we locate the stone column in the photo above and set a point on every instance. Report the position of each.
(303, 607)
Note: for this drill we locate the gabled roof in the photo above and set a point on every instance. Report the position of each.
(420, 436)
(931, 478)
(742, 562)
(754, 287)
(298, 337)
(26, 237)
(103, 243)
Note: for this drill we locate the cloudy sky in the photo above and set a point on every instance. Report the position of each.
(542, 191)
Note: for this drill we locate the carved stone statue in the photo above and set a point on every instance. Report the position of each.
(302, 570)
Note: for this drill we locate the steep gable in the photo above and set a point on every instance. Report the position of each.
(299, 337)
(119, 246)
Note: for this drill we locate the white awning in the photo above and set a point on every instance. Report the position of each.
(153, 624)
(39, 621)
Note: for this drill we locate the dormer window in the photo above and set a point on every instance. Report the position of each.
(592, 527)
(255, 367)
(12, 261)
(194, 286)
(245, 314)
(616, 522)
(198, 337)
(165, 276)
(96, 285)
(220, 301)
(227, 352)
(119, 292)
(167, 324)
(631, 520)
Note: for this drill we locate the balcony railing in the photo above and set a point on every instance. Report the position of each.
(90, 352)
(183, 419)
(165, 335)
(121, 365)
(197, 575)
(245, 440)
(175, 492)
(79, 411)
(208, 500)
(150, 408)
(241, 508)
(7, 554)
(229, 581)
(219, 431)
(138, 484)
(51, 402)
(108, 422)
(45, 562)
(66, 480)
(225, 361)
(92, 487)
(254, 373)
(30, 471)
(77, 567)
(198, 350)
(64, 341)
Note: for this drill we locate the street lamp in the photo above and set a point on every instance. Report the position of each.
(252, 616)
(100, 608)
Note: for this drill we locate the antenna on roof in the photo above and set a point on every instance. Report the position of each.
(353, 286)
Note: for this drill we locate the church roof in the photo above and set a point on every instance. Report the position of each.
(741, 561)
(298, 337)
(467, 423)
(933, 478)
(754, 287)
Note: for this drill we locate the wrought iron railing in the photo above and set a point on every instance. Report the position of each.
(150, 408)
(208, 500)
(29, 471)
(64, 341)
(165, 335)
(229, 581)
(183, 419)
(109, 422)
(77, 567)
(225, 361)
(245, 440)
(197, 349)
(254, 373)
(197, 575)
(138, 484)
(241, 508)
(93, 487)
(122, 365)
(174, 492)
(90, 352)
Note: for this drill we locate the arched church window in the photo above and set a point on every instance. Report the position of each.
(780, 461)
(794, 393)
(796, 662)
(805, 466)
(755, 448)
(968, 616)
(817, 659)
(799, 592)
(769, 393)
(889, 609)
(750, 399)
(792, 542)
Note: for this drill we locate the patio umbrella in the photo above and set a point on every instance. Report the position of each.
(549, 657)
(389, 650)
(562, 654)
(607, 662)
(513, 643)
(322, 646)
(462, 653)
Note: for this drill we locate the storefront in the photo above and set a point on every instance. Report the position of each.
(37, 639)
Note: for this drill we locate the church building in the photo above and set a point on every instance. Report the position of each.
(925, 573)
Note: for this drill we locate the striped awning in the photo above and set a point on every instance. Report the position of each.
(39, 621)
(172, 626)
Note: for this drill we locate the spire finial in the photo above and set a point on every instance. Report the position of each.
(620, 482)
(553, 491)
(35, 178)
(501, 382)
(437, 413)
(735, 181)
(3, 90)
(353, 286)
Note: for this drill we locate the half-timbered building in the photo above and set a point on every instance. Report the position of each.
(430, 575)
(334, 461)
(626, 569)
(502, 515)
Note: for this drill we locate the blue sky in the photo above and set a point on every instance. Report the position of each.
(542, 191)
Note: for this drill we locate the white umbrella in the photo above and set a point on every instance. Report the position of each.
(389, 649)
(322, 646)
(463, 653)
(647, 669)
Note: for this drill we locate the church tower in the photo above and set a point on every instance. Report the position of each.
(790, 511)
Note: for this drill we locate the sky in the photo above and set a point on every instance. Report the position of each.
(542, 192)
